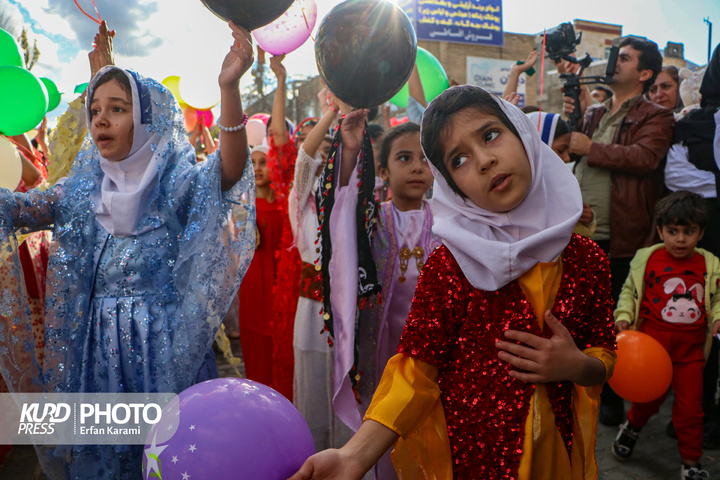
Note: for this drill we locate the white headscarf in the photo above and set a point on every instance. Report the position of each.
(128, 182)
(546, 125)
(260, 148)
(493, 249)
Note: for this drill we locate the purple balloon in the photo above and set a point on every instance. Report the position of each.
(228, 428)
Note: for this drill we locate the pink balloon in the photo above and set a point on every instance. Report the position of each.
(291, 30)
(263, 117)
(206, 116)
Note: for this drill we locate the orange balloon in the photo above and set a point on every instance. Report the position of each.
(191, 117)
(643, 371)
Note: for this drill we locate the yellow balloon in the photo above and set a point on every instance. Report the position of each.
(173, 84)
(10, 165)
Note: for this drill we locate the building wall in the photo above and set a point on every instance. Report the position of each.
(596, 37)
(453, 56)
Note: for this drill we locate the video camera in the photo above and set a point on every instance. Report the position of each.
(560, 43)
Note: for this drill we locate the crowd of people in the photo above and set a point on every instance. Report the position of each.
(439, 299)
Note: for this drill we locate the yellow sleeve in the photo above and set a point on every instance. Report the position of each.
(608, 357)
(407, 391)
(407, 401)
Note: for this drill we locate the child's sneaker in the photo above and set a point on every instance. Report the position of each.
(693, 473)
(623, 446)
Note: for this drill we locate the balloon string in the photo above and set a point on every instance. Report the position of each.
(542, 77)
(96, 10)
(87, 14)
(307, 24)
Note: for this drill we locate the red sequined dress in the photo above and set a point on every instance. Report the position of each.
(492, 420)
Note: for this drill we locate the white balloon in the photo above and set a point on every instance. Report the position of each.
(255, 131)
(199, 89)
(10, 165)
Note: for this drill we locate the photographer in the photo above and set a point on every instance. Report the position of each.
(622, 143)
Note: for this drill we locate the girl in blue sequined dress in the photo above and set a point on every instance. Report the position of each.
(145, 259)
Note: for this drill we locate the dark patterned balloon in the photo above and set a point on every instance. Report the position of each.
(249, 14)
(365, 51)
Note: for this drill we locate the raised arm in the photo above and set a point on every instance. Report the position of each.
(30, 173)
(210, 145)
(233, 144)
(415, 88)
(308, 162)
(516, 70)
(351, 129)
(102, 53)
(40, 138)
(279, 130)
(317, 134)
(30, 211)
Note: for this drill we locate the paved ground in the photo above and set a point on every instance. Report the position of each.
(655, 458)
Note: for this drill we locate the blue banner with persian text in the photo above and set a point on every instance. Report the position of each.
(463, 21)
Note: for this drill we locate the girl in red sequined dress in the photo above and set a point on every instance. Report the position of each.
(510, 333)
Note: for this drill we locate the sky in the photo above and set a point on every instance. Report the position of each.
(159, 38)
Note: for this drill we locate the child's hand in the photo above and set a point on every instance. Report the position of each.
(527, 64)
(238, 60)
(326, 465)
(587, 215)
(543, 359)
(622, 326)
(102, 53)
(513, 98)
(716, 328)
(277, 67)
(351, 129)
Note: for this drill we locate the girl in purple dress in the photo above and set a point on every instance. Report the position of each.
(400, 243)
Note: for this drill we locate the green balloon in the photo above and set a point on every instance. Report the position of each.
(432, 77)
(22, 95)
(53, 93)
(81, 88)
(9, 50)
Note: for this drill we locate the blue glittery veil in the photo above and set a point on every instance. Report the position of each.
(207, 250)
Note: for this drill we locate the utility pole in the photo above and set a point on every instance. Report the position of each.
(707, 20)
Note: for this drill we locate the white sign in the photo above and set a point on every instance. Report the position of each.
(492, 74)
